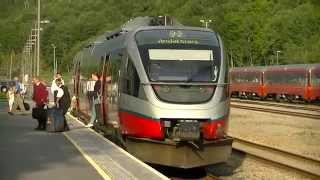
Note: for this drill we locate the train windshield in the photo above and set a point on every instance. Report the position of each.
(179, 55)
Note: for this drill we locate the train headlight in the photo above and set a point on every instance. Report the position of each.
(213, 129)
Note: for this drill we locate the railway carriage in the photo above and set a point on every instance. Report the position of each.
(314, 87)
(247, 82)
(164, 91)
(290, 82)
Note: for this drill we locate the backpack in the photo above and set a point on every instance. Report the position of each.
(65, 100)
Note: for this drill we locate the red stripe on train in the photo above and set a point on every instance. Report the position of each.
(139, 126)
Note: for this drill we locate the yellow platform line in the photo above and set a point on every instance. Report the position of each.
(88, 158)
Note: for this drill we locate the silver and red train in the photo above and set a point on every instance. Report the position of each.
(289, 82)
(164, 91)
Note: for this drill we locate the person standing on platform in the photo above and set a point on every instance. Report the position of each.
(10, 96)
(18, 100)
(40, 97)
(63, 100)
(54, 88)
(96, 98)
(90, 90)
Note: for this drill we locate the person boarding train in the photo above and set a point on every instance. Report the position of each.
(63, 100)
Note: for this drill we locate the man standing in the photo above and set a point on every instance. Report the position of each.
(96, 98)
(54, 87)
(40, 97)
(63, 100)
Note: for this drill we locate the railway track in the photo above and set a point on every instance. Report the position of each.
(282, 105)
(290, 160)
(312, 115)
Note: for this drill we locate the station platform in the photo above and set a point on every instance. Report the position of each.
(78, 154)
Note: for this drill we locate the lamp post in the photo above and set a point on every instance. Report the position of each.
(277, 53)
(206, 22)
(55, 64)
(38, 39)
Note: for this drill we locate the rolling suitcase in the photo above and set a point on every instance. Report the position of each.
(55, 120)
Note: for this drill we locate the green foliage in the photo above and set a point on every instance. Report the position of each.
(252, 30)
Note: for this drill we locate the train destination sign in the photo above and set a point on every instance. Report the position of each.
(177, 41)
(180, 54)
(176, 37)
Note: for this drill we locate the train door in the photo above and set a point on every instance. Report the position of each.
(109, 96)
(76, 87)
(103, 111)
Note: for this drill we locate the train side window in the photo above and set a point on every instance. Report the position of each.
(130, 80)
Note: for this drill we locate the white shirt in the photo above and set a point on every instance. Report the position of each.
(90, 85)
(54, 86)
(60, 92)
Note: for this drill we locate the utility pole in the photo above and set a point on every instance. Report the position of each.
(38, 40)
(206, 22)
(55, 64)
(10, 70)
(278, 57)
(231, 58)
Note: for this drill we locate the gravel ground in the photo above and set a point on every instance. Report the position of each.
(294, 134)
(242, 167)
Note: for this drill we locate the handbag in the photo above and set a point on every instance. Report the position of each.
(39, 113)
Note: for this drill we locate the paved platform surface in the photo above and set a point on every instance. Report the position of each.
(116, 162)
(27, 154)
(80, 153)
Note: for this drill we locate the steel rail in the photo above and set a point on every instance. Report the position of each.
(211, 177)
(277, 105)
(278, 111)
(291, 160)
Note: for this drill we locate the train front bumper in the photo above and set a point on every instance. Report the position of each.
(182, 155)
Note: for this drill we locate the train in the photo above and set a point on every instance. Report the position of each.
(165, 91)
(296, 82)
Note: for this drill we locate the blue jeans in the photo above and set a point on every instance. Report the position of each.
(93, 110)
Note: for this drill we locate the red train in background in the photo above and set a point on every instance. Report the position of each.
(289, 82)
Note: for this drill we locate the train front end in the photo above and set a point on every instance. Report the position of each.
(179, 113)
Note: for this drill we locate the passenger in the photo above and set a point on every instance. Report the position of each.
(90, 90)
(18, 100)
(54, 87)
(96, 99)
(40, 97)
(10, 96)
(63, 100)
(23, 90)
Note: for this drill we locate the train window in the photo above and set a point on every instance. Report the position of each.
(130, 80)
(247, 77)
(288, 77)
(315, 78)
(179, 55)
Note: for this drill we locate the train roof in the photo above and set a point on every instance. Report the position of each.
(114, 40)
(248, 69)
(276, 67)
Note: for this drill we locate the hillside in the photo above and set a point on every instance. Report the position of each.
(252, 30)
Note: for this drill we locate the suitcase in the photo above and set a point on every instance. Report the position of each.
(55, 120)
